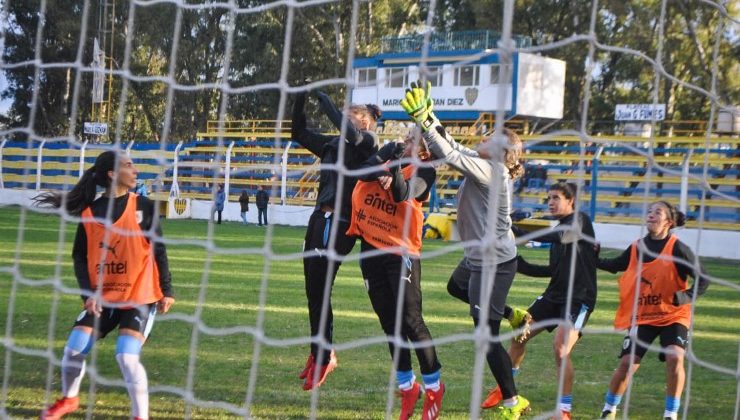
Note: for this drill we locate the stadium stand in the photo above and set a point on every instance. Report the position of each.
(615, 176)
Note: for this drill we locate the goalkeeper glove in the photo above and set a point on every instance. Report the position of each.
(418, 104)
(391, 151)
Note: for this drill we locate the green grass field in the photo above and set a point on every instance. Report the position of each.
(227, 275)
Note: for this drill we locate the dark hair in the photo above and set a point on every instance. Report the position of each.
(677, 218)
(83, 193)
(375, 112)
(568, 189)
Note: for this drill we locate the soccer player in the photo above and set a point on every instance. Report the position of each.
(360, 142)
(490, 251)
(566, 318)
(124, 277)
(656, 268)
(387, 216)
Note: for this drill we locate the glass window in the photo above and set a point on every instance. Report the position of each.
(433, 74)
(366, 77)
(396, 77)
(466, 76)
(496, 74)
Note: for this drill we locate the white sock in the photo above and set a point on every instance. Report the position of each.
(511, 402)
(136, 383)
(670, 415)
(73, 369)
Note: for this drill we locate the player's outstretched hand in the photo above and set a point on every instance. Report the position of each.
(418, 103)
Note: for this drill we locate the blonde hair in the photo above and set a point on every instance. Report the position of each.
(513, 154)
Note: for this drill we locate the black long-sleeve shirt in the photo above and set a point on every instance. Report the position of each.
(558, 269)
(401, 189)
(359, 145)
(655, 246)
(99, 208)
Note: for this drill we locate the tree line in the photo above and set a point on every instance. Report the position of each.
(175, 68)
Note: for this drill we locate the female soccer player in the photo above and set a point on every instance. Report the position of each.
(490, 249)
(656, 269)
(124, 281)
(387, 216)
(552, 306)
(360, 142)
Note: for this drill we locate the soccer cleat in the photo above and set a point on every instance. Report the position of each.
(325, 371)
(512, 413)
(493, 399)
(432, 403)
(520, 319)
(408, 401)
(309, 364)
(564, 415)
(609, 415)
(60, 408)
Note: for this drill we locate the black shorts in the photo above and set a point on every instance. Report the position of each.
(468, 278)
(552, 313)
(670, 335)
(140, 318)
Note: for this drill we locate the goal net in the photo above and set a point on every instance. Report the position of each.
(632, 102)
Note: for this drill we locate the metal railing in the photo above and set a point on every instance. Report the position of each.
(450, 41)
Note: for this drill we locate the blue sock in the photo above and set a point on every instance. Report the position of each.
(672, 404)
(405, 379)
(612, 399)
(431, 380)
(566, 403)
(514, 372)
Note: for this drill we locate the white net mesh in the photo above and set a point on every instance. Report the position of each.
(236, 337)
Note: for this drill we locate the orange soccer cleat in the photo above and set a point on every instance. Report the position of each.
(60, 408)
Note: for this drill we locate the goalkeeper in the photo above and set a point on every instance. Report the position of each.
(124, 277)
(332, 206)
(490, 251)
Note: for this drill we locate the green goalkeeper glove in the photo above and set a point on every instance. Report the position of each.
(418, 104)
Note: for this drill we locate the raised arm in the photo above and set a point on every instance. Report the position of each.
(458, 157)
(312, 141)
(352, 134)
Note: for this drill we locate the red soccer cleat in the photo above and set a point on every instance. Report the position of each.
(493, 399)
(564, 415)
(325, 371)
(408, 401)
(307, 368)
(433, 403)
(60, 408)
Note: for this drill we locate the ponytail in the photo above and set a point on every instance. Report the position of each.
(678, 218)
(83, 193)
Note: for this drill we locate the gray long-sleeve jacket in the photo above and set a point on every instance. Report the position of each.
(482, 177)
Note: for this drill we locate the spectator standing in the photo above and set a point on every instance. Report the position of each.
(244, 203)
(219, 201)
(261, 199)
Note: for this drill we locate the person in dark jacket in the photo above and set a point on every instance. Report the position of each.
(262, 200)
(218, 202)
(552, 310)
(356, 143)
(244, 204)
